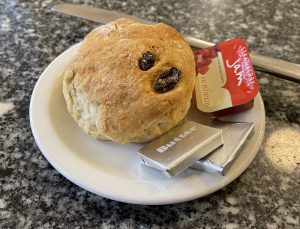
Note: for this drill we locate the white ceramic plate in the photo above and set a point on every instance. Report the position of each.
(113, 170)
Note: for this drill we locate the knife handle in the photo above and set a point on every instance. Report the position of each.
(280, 68)
(283, 69)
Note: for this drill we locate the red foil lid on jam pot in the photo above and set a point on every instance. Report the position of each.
(225, 76)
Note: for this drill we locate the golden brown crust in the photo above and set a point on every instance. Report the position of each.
(110, 97)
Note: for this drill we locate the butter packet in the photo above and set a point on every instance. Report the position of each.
(179, 148)
(235, 135)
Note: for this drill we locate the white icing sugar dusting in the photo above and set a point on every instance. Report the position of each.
(5, 107)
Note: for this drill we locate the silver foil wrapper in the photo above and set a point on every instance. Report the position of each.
(234, 135)
(179, 148)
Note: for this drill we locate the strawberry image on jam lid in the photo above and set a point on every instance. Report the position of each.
(203, 58)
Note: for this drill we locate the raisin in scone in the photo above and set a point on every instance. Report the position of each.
(130, 82)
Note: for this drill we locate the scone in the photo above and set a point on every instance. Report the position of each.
(130, 82)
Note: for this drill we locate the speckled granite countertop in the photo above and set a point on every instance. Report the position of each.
(34, 195)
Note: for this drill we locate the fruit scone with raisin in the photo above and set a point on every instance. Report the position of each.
(130, 82)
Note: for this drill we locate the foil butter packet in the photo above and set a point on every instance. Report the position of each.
(235, 135)
(225, 76)
(181, 147)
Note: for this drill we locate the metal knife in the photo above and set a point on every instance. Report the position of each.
(283, 69)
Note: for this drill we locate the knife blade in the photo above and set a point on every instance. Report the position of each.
(283, 69)
(93, 14)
